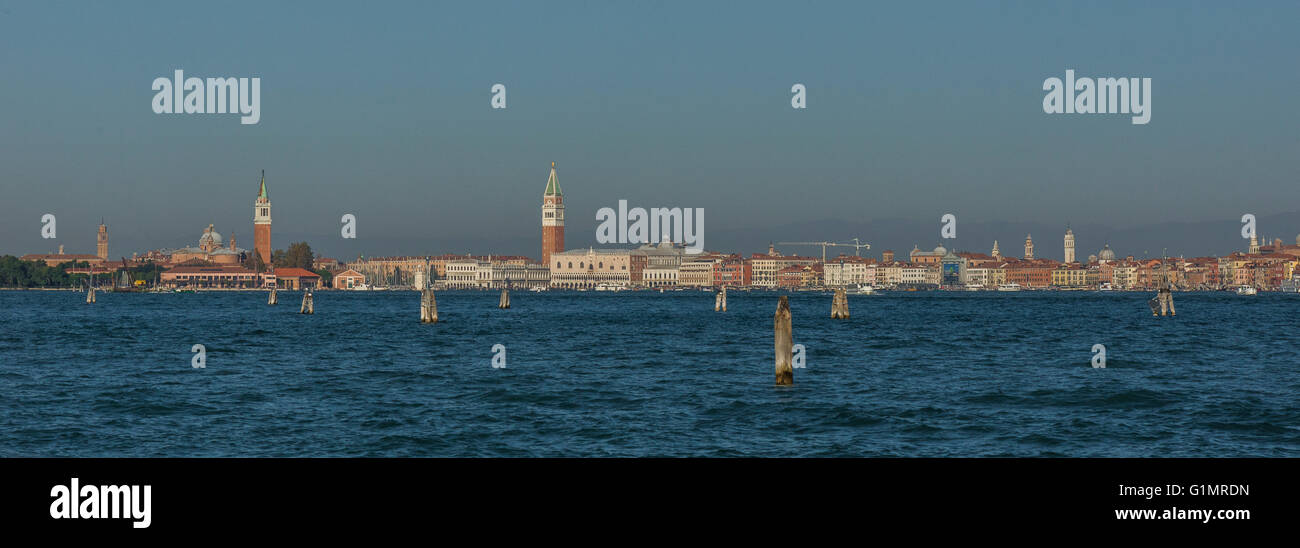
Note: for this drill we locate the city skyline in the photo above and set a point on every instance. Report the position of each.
(517, 245)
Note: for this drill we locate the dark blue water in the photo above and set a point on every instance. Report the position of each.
(647, 374)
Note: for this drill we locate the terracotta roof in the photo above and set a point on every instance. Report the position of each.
(295, 273)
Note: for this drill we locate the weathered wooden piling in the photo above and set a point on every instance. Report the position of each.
(90, 295)
(722, 299)
(840, 305)
(784, 343)
(308, 307)
(271, 299)
(505, 299)
(428, 307)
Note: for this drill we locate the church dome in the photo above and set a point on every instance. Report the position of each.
(1092, 258)
(1106, 254)
(212, 237)
(940, 250)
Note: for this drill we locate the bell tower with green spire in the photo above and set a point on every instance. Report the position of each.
(262, 223)
(552, 218)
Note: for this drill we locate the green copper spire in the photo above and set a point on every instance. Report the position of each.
(553, 184)
(261, 193)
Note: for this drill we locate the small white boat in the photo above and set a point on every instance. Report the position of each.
(860, 289)
(974, 288)
(1009, 287)
(1105, 287)
(608, 286)
(537, 289)
(1246, 290)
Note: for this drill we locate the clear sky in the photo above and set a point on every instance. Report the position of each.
(382, 110)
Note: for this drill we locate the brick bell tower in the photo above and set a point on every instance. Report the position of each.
(262, 223)
(552, 218)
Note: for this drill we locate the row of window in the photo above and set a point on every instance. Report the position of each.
(559, 265)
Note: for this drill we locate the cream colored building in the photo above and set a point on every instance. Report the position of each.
(765, 267)
(845, 271)
(696, 272)
(587, 268)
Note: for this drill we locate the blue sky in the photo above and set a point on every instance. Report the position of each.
(915, 109)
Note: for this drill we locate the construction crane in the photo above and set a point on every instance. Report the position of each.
(857, 246)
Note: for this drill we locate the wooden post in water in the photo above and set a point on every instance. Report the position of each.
(505, 299)
(90, 295)
(784, 343)
(840, 305)
(428, 304)
(717, 301)
(428, 307)
(271, 299)
(307, 306)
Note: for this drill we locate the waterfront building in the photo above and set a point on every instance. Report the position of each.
(462, 273)
(200, 277)
(505, 274)
(766, 267)
(697, 271)
(587, 268)
(262, 222)
(847, 270)
(349, 279)
(1031, 273)
(984, 271)
(297, 278)
(800, 275)
(732, 270)
(953, 269)
(1070, 274)
(1124, 275)
(663, 263)
(552, 218)
(920, 275)
(889, 274)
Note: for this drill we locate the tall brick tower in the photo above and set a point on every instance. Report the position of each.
(101, 241)
(1029, 246)
(552, 218)
(262, 223)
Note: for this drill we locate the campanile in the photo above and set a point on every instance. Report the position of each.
(552, 218)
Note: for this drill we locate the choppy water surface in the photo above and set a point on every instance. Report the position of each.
(647, 374)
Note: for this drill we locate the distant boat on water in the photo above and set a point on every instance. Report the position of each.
(1009, 287)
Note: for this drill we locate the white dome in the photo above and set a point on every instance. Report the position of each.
(1106, 254)
(214, 237)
